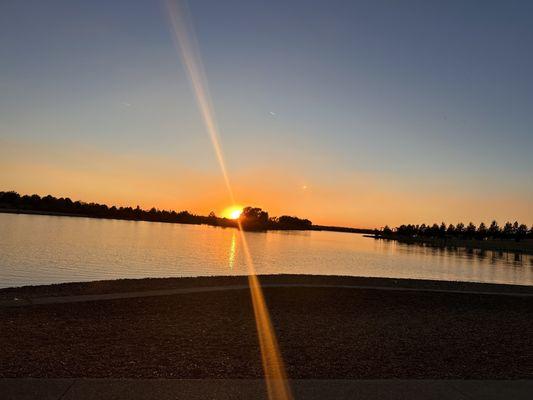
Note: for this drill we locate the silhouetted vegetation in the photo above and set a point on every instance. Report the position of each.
(509, 231)
(252, 218)
(512, 237)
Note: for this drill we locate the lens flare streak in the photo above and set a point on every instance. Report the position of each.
(273, 367)
(188, 48)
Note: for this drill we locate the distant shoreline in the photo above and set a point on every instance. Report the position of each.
(524, 246)
(311, 228)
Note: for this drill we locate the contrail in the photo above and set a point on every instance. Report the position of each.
(273, 367)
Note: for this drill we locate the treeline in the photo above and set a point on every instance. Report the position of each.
(251, 218)
(254, 218)
(509, 231)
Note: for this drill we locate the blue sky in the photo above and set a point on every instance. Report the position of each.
(401, 100)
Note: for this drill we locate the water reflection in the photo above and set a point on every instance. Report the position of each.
(491, 256)
(43, 249)
(231, 260)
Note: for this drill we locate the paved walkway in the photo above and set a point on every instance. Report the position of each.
(168, 292)
(176, 389)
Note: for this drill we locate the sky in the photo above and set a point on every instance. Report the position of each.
(352, 113)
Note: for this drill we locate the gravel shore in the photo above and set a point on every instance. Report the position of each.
(323, 333)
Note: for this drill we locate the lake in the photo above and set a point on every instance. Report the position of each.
(39, 249)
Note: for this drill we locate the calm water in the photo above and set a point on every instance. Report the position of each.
(37, 249)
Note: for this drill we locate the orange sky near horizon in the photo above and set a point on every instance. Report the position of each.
(357, 200)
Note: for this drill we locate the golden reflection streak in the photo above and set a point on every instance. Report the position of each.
(231, 260)
(274, 370)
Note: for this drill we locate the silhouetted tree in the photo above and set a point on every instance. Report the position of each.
(507, 230)
(494, 230)
(10, 198)
(481, 231)
(521, 232)
(288, 222)
(470, 231)
(451, 230)
(254, 218)
(442, 230)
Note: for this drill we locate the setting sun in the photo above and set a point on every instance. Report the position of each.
(232, 212)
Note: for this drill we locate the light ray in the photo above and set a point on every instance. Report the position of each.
(273, 367)
(188, 48)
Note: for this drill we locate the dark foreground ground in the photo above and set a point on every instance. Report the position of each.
(323, 333)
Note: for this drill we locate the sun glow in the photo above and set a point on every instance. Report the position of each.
(233, 212)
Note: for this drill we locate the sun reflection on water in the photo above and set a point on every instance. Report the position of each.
(231, 260)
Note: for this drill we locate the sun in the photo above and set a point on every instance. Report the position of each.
(236, 214)
(233, 212)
